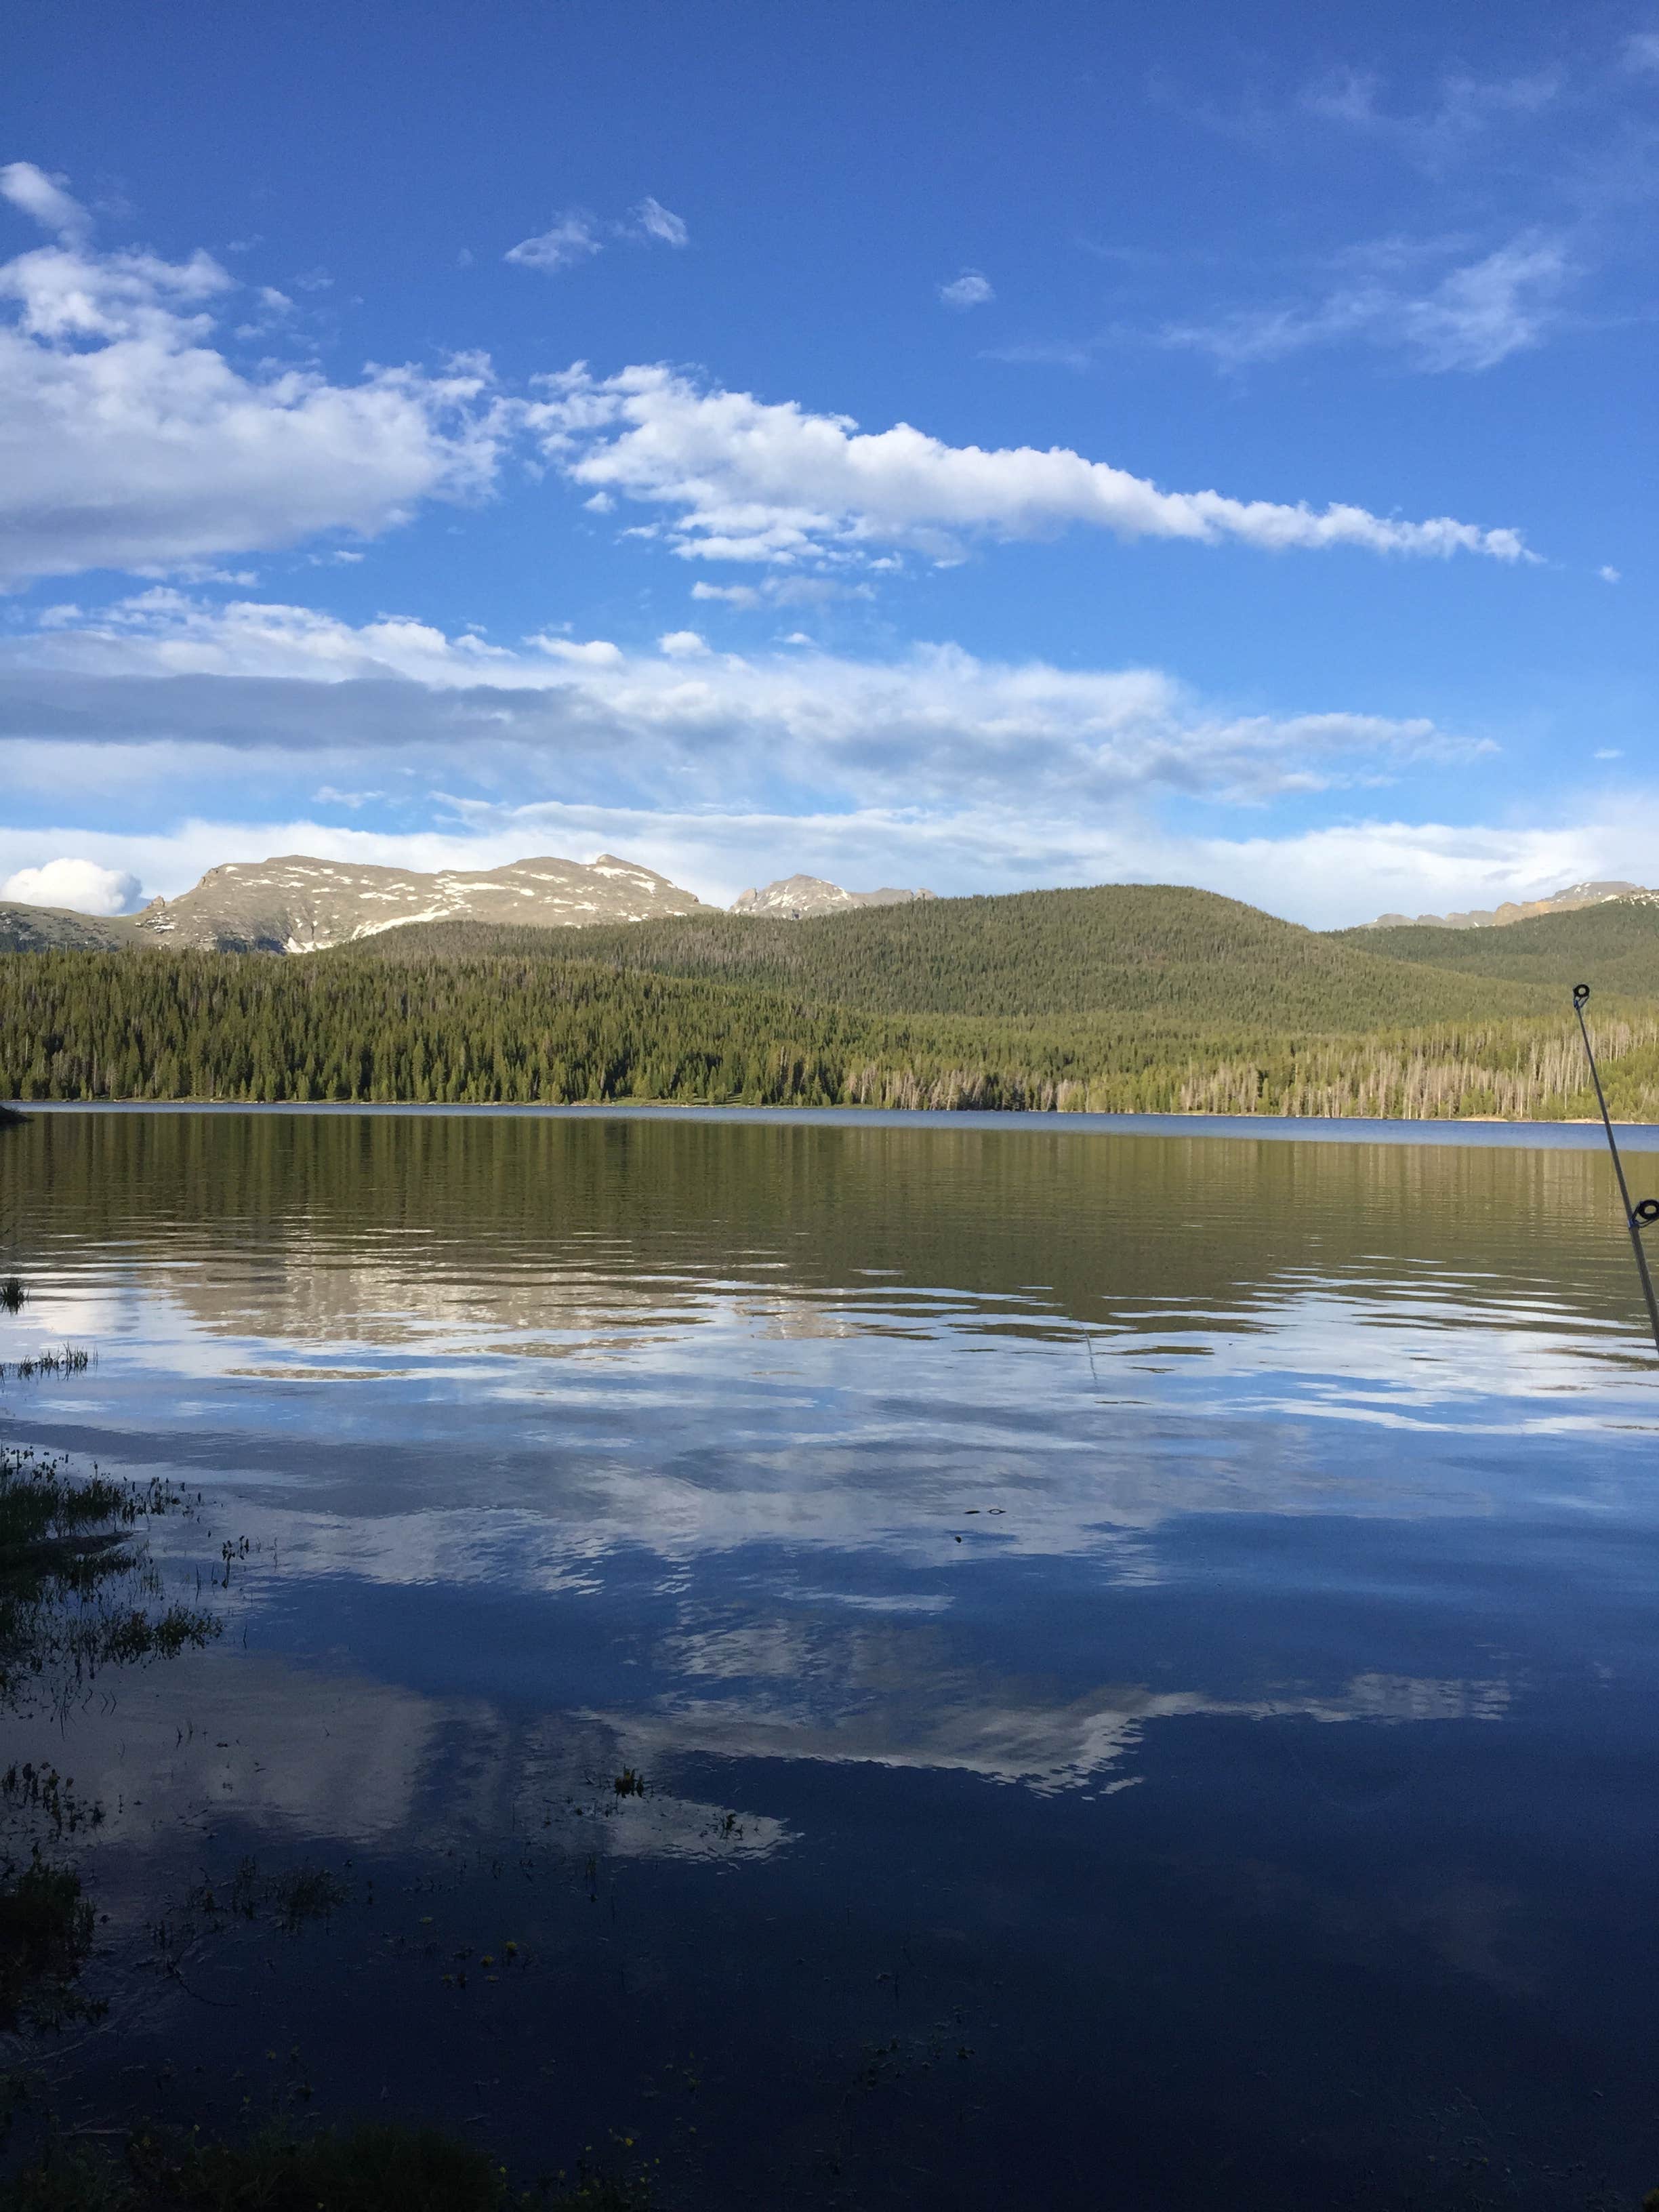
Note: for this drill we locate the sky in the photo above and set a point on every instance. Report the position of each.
(963, 445)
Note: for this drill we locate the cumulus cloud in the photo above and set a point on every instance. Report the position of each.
(746, 480)
(83, 885)
(1471, 319)
(970, 289)
(128, 439)
(576, 236)
(46, 199)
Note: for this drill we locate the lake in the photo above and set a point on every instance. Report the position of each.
(886, 1662)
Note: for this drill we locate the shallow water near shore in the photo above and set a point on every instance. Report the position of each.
(888, 1663)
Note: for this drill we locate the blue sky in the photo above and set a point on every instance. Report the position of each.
(955, 444)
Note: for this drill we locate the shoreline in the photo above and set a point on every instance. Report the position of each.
(1577, 1135)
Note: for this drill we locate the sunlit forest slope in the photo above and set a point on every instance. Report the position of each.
(1117, 1000)
(1157, 951)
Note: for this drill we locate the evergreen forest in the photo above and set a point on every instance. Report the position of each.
(1113, 1000)
(1119, 1000)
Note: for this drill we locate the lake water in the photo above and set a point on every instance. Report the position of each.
(1139, 1649)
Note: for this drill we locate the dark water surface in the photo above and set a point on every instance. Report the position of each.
(1139, 1649)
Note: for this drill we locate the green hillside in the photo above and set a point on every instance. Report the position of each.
(1613, 947)
(1142, 953)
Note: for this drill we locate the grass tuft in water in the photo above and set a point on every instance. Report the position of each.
(46, 1938)
(67, 1359)
(64, 1545)
(13, 1293)
(366, 2169)
(295, 1896)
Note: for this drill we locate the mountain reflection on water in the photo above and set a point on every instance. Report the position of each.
(1139, 1649)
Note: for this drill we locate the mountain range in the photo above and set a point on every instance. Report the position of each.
(1500, 917)
(297, 904)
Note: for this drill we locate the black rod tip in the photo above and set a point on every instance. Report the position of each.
(1580, 992)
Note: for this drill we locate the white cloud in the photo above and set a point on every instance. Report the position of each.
(1608, 752)
(1473, 318)
(970, 289)
(43, 198)
(783, 592)
(1608, 575)
(937, 735)
(683, 645)
(1642, 52)
(750, 481)
(595, 653)
(127, 440)
(82, 884)
(567, 240)
(576, 236)
(654, 221)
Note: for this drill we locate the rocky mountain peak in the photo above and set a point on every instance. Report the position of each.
(298, 903)
(800, 898)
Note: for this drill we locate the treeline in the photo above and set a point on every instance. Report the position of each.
(365, 1025)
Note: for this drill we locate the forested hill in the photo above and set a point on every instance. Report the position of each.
(1140, 952)
(1613, 947)
(1122, 999)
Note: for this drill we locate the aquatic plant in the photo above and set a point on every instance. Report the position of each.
(74, 1597)
(68, 1360)
(12, 1293)
(46, 1938)
(295, 1896)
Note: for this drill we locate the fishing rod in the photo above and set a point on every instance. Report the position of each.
(1636, 1216)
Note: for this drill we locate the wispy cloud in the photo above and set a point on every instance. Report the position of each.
(1463, 111)
(971, 289)
(568, 239)
(744, 480)
(1472, 317)
(652, 220)
(576, 236)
